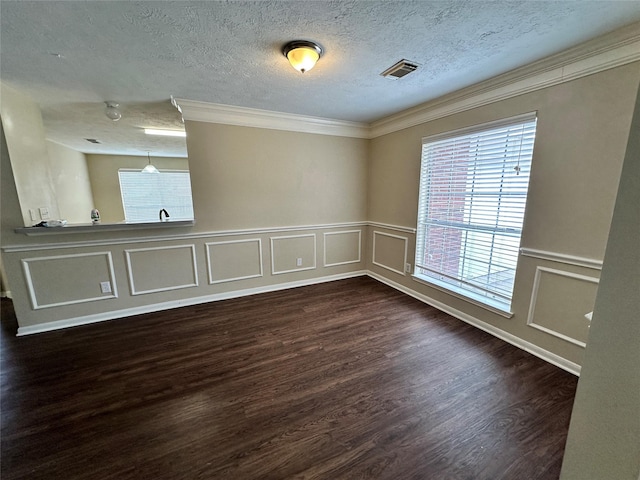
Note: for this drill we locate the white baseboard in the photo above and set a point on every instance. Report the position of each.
(501, 334)
(156, 307)
(6, 294)
(539, 352)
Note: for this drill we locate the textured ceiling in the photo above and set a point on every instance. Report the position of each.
(72, 56)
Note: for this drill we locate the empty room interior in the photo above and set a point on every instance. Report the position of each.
(320, 240)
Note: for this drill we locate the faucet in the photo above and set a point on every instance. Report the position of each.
(166, 214)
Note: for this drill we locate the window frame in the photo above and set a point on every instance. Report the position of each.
(169, 208)
(484, 299)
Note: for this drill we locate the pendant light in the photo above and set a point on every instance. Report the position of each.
(302, 54)
(149, 168)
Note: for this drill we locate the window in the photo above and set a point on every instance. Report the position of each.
(473, 191)
(145, 194)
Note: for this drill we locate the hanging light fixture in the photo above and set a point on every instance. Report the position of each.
(112, 112)
(302, 54)
(149, 168)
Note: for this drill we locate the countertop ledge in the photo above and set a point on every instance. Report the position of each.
(101, 227)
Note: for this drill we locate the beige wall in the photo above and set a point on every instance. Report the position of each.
(103, 175)
(579, 149)
(604, 435)
(24, 135)
(252, 178)
(71, 183)
(264, 198)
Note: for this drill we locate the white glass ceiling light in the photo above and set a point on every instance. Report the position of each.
(149, 168)
(112, 112)
(302, 54)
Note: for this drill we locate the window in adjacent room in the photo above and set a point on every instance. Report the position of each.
(473, 191)
(145, 194)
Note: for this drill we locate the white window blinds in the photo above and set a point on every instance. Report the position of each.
(145, 194)
(473, 191)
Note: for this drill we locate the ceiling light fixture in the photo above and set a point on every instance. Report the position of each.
(165, 133)
(302, 54)
(112, 112)
(149, 168)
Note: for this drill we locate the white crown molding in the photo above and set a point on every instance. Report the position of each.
(605, 52)
(252, 117)
(608, 51)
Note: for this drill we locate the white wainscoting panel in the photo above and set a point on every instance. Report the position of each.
(234, 260)
(161, 269)
(390, 251)
(559, 300)
(83, 273)
(287, 249)
(342, 248)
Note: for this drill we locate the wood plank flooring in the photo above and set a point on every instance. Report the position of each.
(343, 380)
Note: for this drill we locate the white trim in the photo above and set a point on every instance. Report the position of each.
(232, 279)
(388, 226)
(534, 299)
(187, 236)
(373, 252)
(605, 52)
(132, 286)
(608, 51)
(562, 258)
(253, 117)
(156, 307)
(32, 292)
(326, 234)
(273, 265)
(533, 349)
(6, 294)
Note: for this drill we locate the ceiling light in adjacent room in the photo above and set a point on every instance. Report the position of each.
(112, 112)
(165, 133)
(302, 54)
(149, 168)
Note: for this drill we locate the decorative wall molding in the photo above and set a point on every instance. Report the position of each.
(130, 272)
(373, 253)
(252, 117)
(534, 298)
(343, 232)
(230, 242)
(183, 236)
(157, 307)
(562, 258)
(273, 240)
(31, 289)
(608, 51)
(388, 226)
(496, 332)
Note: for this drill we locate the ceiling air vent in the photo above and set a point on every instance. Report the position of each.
(92, 140)
(400, 69)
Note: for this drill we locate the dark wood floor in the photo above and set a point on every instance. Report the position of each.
(344, 380)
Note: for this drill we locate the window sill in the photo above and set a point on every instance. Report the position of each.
(101, 227)
(482, 302)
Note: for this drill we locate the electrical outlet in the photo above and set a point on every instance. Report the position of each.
(298, 262)
(105, 287)
(407, 267)
(33, 214)
(44, 213)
